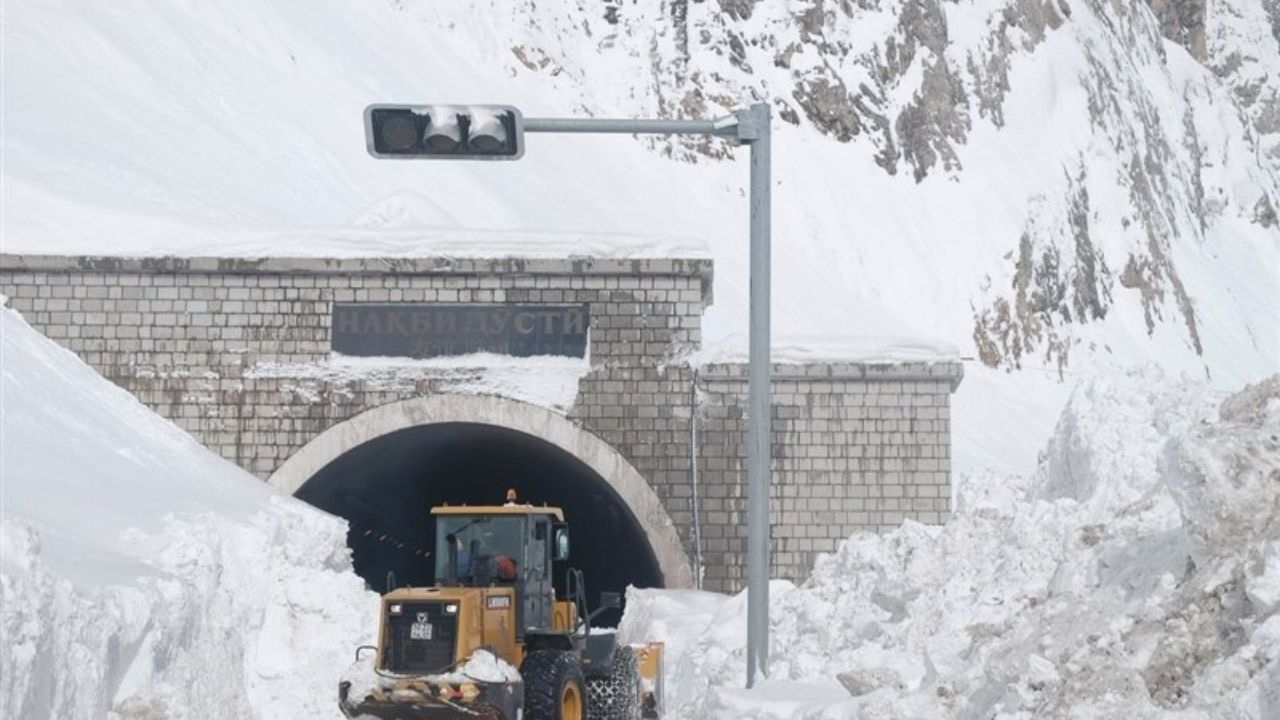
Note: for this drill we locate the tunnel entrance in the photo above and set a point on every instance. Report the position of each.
(386, 486)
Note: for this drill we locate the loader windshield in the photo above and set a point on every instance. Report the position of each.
(479, 550)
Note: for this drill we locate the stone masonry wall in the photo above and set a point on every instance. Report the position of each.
(855, 447)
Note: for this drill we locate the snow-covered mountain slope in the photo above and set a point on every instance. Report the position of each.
(142, 575)
(1051, 185)
(1137, 574)
(1017, 169)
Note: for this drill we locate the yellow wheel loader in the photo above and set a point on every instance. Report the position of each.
(491, 640)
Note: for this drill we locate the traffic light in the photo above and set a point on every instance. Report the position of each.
(442, 132)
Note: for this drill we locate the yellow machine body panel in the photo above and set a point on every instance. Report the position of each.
(510, 509)
(564, 616)
(486, 619)
(650, 658)
(499, 613)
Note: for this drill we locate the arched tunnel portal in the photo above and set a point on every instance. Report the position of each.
(384, 469)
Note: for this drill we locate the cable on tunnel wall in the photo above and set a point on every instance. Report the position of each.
(693, 480)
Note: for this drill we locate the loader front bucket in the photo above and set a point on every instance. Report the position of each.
(431, 698)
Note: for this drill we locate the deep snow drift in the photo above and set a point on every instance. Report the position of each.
(145, 577)
(1137, 574)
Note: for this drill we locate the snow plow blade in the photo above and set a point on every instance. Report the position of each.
(432, 699)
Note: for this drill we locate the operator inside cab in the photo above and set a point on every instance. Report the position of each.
(482, 550)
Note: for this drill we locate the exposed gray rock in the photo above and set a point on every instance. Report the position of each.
(859, 682)
(1253, 404)
(1264, 213)
(1059, 279)
(738, 9)
(738, 53)
(923, 23)
(1023, 25)
(934, 122)
(1154, 272)
(1182, 21)
(611, 10)
(829, 106)
(812, 21)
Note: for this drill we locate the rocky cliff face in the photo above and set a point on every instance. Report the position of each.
(1175, 148)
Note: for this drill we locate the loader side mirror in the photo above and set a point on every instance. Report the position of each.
(561, 543)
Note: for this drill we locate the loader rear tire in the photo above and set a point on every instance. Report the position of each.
(553, 686)
(616, 697)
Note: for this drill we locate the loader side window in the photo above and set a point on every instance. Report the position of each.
(539, 592)
(538, 551)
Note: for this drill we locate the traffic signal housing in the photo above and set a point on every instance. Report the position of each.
(444, 132)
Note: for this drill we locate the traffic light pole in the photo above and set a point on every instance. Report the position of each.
(750, 126)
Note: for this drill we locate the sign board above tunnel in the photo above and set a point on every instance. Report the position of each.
(423, 330)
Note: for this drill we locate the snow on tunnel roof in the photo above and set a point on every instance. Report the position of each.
(371, 242)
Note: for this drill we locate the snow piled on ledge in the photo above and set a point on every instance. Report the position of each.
(1135, 574)
(804, 349)
(145, 577)
(544, 380)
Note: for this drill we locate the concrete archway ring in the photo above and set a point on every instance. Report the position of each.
(539, 422)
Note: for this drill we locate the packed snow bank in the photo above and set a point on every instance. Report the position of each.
(1135, 574)
(144, 577)
(83, 459)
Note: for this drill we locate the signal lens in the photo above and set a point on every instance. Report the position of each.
(399, 132)
(443, 134)
(488, 133)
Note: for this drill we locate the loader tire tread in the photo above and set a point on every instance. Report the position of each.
(545, 673)
(617, 696)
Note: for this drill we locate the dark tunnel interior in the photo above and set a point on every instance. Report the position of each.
(386, 487)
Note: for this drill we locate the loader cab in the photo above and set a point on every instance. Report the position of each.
(512, 545)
